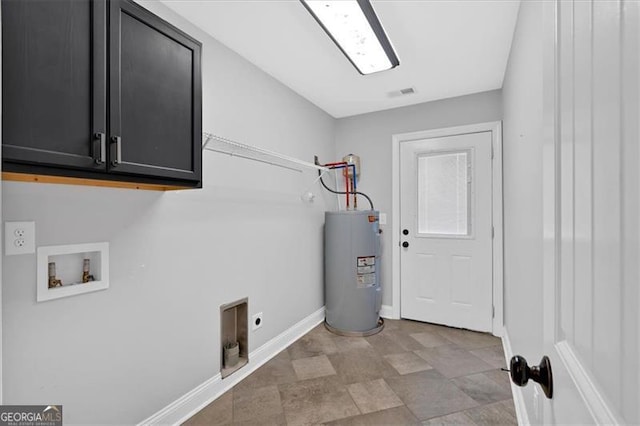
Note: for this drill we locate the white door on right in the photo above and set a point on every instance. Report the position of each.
(446, 225)
(592, 211)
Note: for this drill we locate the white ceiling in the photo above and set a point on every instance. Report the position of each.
(446, 48)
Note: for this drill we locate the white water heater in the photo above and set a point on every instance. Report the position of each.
(352, 272)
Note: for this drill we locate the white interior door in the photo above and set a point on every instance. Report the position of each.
(591, 215)
(446, 225)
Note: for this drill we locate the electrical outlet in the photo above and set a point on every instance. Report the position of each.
(256, 321)
(19, 238)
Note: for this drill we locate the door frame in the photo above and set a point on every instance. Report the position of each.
(495, 127)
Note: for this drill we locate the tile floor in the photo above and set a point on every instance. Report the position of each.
(411, 373)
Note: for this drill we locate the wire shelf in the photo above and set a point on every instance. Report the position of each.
(222, 145)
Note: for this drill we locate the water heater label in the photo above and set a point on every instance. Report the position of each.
(366, 266)
(366, 261)
(366, 269)
(367, 280)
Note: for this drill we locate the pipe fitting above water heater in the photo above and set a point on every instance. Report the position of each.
(355, 160)
(350, 166)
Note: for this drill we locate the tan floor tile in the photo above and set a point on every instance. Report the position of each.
(392, 416)
(275, 420)
(316, 401)
(500, 377)
(451, 419)
(428, 394)
(277, 370)
(219, 412)
(510, 407)
(482, 389)
(469, 339)
(430, 340)
(407, 362)
(346, 344)
(493, 355)
(453, 361)
(373, 396)
(391, 325)
(409, 327)
(360, 366)
(313, 367)
(254, 404)
(491, 415)
(278, 394)
(384, 345)
(282, 355)
(404, 341)
(318, 342)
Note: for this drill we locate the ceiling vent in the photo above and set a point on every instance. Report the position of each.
(402, 92)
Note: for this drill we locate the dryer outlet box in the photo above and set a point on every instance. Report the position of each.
(256, 321)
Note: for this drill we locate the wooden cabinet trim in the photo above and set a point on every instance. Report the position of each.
(63, 180)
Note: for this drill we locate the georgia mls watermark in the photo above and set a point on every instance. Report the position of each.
(30, 415)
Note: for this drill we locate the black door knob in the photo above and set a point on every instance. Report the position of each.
(405, 244)
(521, 373)
(405, 232)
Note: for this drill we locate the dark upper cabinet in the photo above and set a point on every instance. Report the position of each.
(54, 82)
(99, 89)
(155, 96)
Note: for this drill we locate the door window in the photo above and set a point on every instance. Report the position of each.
(444, 193)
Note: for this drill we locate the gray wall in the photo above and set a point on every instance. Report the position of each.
(522, 156)
(369, 136)
(119, 355)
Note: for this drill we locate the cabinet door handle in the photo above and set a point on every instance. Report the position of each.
(99, 148)
(116, 150)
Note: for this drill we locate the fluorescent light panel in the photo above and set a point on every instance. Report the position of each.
(355, 28)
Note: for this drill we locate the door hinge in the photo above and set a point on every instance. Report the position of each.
(493, 232)
(492, 151)
(493, 312)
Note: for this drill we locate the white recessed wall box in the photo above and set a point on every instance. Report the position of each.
(73, 269)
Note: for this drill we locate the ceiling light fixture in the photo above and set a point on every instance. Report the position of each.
(356, 30)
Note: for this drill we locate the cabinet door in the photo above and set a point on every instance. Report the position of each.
(54, 83)
(155, 96)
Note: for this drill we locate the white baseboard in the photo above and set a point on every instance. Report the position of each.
(518, 397)
(386, 311)
(196, 399)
